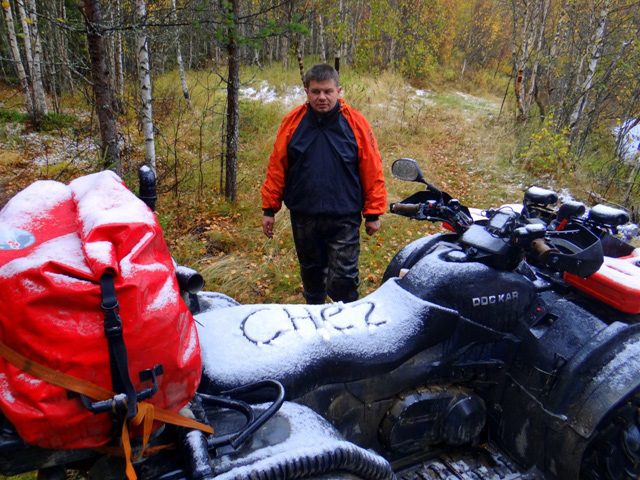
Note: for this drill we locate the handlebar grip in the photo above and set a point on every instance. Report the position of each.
(542, 249)
(405, 207)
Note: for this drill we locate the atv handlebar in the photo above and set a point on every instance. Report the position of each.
(405, 208)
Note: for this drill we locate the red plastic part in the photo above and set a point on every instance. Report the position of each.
(50, 297)
(617, 283)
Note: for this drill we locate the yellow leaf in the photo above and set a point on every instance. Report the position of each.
(5, 4)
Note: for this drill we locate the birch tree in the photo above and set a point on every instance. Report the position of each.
(144, 76)
(593, 57)
(17, 58)
(38, 86)
(183, 79)
(33, 52)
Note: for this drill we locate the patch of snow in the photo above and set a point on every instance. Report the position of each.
(28, 379)
(61, 279)
(50, 150)
(309, 436)
(166, 296)
(622, 271)
(266, 93)
(5, 390)
(66, 250)
(251, 342)
(607, 211)
(521, 439)
(102, 199)
(101, 251)
(565, 195)
(31, 286)
(129, 268)
(212, 300)
(19, 211)
(539, 191)
(192, 343)
(631, 141)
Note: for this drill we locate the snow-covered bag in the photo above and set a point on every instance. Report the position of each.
(56, 242)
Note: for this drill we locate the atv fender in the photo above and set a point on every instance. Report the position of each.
(409, 255)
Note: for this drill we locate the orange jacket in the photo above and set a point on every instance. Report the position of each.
(369, 161)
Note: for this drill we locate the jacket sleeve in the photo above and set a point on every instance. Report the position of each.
(278, 167)
(369, 164)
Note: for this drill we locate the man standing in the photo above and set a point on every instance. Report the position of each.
(326, 167)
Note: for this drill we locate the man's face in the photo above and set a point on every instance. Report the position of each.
(322, 96)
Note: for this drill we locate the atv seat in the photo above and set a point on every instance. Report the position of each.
(303, 346)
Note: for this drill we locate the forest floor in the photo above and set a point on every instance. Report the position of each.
(462, 141)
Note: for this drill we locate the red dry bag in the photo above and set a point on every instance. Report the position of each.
(65, 253)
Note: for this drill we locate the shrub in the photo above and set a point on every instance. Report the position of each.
(548, 151)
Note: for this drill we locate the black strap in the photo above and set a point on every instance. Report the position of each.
(117, 349)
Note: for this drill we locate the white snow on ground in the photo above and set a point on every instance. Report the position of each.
(265, 93)
(50, 150)
(631, 143)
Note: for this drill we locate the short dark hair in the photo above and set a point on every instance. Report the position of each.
(321, 73)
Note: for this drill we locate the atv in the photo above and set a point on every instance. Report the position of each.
(505, 348)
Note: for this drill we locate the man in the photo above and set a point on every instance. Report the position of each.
(326, 167)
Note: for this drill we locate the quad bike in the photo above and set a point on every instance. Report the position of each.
(488, 336)
(508, 348)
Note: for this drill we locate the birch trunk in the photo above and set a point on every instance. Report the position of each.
(101, 85)
(520, 61)
(15, 52)
(183, 78)
(233, 114)
(26, 38)
(594, 57)
(323, 50)
(40, 100)
(119, 73)
(284, 51)
(144, 76)
(63, 48)
(542, 16)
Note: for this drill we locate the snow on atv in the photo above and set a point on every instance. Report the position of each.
(505, 349)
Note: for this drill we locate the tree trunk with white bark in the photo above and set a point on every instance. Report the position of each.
(183, 78)
(17, 58)
(31, 30)
(144, 76)
(595, 49)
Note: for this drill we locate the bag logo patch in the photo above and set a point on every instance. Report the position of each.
(15, 239)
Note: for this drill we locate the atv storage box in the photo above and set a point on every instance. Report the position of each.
(617, 283)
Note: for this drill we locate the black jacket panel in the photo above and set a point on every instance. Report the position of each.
(323, 173)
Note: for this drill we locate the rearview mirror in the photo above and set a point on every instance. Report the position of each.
(407, 169)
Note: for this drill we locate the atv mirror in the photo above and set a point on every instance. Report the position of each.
(407, 169)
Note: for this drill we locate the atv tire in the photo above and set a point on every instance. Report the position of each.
(614, 452)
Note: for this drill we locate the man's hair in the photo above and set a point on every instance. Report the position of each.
(321, 73)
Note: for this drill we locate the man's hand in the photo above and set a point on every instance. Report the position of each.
(267, 225)
(370, 227)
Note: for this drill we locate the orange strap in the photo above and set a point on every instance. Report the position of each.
(146, 411)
